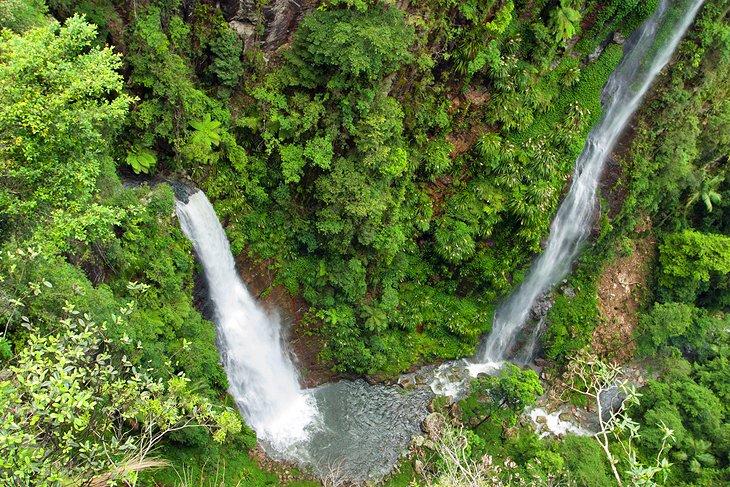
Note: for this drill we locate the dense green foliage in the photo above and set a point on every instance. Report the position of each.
(399, 245)
(574, 314)
(79, 249)
(61, 101)
(691, 392)
(492, 449)
(396, 169)
(675, 173)
(692, 263)
(65, 395)
(501, 399)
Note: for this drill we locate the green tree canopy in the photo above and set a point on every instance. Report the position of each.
(350, 45)
(73, 411)
(501, 398)
(689, 261)
(61, 103)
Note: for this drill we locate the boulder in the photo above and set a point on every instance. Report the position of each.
(407, 381)
(595, 54)
(279, 18)
(455, 411)
(245, 31)
(611, 400)
(433, 425)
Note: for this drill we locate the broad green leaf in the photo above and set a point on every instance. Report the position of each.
(141, 160)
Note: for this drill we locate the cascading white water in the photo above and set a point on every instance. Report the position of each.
(263, 380)
(353, 429)
(642, 61)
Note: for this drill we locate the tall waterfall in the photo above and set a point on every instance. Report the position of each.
(647, 52)
(263, 379)
(353, 429)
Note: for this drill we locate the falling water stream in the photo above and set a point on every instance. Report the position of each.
(643, 60)
(357, 431)
(262, 378)
(347, 429)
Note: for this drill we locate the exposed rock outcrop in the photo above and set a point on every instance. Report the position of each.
(244, 17)
(301, 339)
(279, 19)
(433, 425)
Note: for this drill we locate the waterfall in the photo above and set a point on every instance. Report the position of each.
(349, 428)
(643, 59)
(262, 378)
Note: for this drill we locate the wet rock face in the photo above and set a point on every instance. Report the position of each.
(183, 191)
(611, 400)
(527, 345)
(279, 17)
(230, 8)
(542, 306)
(243, 17)
(420, 378)
(245, 31)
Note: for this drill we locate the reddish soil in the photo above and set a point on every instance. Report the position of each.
(622, 288)
(303, 342)
(477, 97)
(464, 141)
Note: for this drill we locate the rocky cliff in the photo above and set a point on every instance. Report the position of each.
(269, 26)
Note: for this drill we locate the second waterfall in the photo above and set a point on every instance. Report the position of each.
(647, 52)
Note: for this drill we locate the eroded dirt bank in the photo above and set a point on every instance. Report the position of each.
(301, 338)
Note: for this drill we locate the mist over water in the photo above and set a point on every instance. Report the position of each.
(262, 378)
(646, 53)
